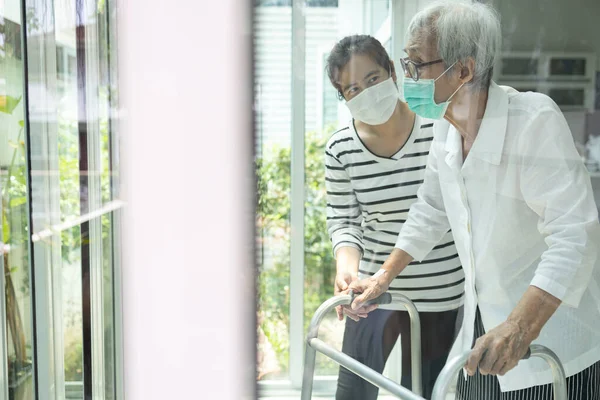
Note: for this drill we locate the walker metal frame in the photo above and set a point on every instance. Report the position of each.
(444, 380)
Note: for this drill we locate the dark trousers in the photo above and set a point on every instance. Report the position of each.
(371, 340)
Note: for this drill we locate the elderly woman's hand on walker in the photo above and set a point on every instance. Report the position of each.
(342, 282)
(500, 350)
(374, 286)
(369, 288)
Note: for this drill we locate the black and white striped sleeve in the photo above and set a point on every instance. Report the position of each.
(344, 218)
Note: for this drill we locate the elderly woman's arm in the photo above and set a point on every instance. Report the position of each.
(557, 187)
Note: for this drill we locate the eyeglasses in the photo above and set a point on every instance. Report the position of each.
(412, 68)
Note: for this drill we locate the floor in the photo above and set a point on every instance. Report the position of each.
(296, 395)
(326, 392)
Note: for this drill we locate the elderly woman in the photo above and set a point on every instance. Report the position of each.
(503, 173)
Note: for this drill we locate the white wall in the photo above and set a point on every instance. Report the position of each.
(188, 276)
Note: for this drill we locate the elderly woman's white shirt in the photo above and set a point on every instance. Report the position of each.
(522, 213)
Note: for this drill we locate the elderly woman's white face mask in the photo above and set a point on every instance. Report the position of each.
(420, 97)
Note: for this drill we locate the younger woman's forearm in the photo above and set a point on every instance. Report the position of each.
(347, 260)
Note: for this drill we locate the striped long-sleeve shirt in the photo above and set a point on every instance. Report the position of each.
(368, 200)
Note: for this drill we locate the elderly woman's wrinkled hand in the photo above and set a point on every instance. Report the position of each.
(369, 288)
(342, 282)
(500, 350)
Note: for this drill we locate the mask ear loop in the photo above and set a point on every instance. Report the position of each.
(391, 77)
(456, 91)
(442, 74)
(447, 69)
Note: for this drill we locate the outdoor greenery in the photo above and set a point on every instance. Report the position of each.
(15, 211)
(71, 240)
(273, 233)
(15, 234)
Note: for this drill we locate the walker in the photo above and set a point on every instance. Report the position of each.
(444, 380)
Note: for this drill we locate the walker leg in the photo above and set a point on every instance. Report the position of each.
(308, 376)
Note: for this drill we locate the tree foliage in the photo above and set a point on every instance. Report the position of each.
(273, 236)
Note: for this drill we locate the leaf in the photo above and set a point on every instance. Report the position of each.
(8, 104)
(5, 228)
(21, 123)
(101, 5)
(17, 201)
(20, 177)
(13, 144)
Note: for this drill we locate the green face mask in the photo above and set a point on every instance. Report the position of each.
(419, 96)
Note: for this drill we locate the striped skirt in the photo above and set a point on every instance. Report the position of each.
(584, 385)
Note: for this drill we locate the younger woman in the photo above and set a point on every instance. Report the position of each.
(375, 166)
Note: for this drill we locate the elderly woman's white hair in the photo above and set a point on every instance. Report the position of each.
(461, 30)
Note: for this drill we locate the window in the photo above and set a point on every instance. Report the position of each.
(16, 348)
(272, 37)
(60, 201)
(291, 47)
(295, 108)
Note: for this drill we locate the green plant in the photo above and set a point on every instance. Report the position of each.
(273, 235)
(73, 358)
(14, 216)
(16, 232)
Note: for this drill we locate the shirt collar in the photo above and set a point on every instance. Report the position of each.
(489, 142)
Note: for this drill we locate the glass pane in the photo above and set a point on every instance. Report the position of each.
(72, 313)
(108, 305)
(324, 115)
(71, 67)
(70, 203)
(568, 97)
(535, 58)
(379, 12)
(519, 66)
(567, 66)
(106, 169)
(272, 41)
(15, 208)
(321, 111)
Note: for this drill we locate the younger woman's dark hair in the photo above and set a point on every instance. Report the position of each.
(352, 45)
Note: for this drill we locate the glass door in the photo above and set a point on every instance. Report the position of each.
(59, 322)
(16, 322)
